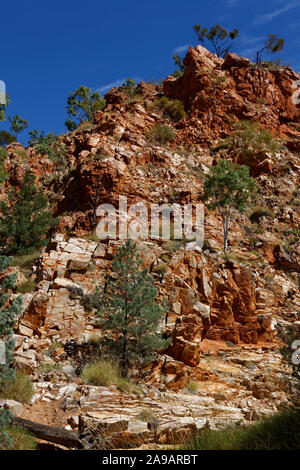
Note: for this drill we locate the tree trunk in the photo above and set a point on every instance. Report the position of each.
(225, 240)
(226, 223)
(225, 236)
(49, 433)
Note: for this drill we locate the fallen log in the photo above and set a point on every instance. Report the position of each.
(49, 433)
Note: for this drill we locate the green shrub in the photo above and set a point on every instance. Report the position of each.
(20, 390)
(174, 196)
(270, 64)
(92, 237)
(26, 261)
(55, 345)
(51, 146)
(193, 386)
(92, 266)
(166, 258)
(21, 439)
(172, 245)
(217, 80)
(125, 386)
(147, 416)
(74, 292)
(280, 431)
(26, 286)
(106, 373)
(101, 372)
(172, 108)
(260, 212)
(85, 125)
(160, 268)
(130, 87)
(93, 339)
(21, 153)
(3, 154)
(249, 139)
(49, 367)
(87, 301)
(161, 134)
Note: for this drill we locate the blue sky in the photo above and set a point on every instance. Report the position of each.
(48, 49)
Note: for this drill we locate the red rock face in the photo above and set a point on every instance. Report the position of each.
(209, 298)
(234, 315)
(218, 92)
(187, 335)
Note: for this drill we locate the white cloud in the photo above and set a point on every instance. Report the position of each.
(109, 86)
(105, 88)
(231, 3)
(251, 40)
(181, 49)
(266, 17)
(248, 53)
(250, 45)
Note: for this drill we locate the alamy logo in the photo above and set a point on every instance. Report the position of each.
(2, 100)
(296, 94)
(2, 353)
(166, 221)
(296, 353)
(2, 92)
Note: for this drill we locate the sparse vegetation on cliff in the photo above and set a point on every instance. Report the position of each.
(172, 108)
(249, 139)
(161, 134)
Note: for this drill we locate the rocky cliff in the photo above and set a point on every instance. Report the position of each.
(223, 310)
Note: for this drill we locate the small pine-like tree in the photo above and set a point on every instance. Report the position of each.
(181, 67)
(228, 188)
(272, 44)
(17, 124)
(6, 138)
(81, 105)
(129, 315)
(220, 39)
(9, 310)
(24, 220)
